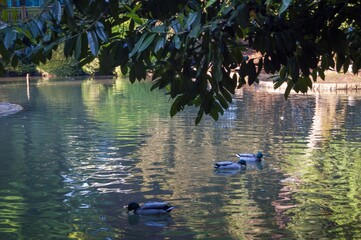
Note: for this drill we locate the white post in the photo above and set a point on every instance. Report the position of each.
(28, 85)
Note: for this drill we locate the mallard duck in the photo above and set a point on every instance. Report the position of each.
(150, 208)
(241, 164)
(250, 157)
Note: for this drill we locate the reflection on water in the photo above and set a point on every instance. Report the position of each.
(82, 150)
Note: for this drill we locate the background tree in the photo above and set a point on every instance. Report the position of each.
(23, 10)
(194, 47)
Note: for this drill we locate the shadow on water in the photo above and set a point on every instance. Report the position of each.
(84, 149)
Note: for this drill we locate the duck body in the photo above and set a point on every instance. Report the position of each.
(227, 165)
(250, 157)
(150, 208)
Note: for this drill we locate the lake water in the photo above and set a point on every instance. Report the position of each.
(82, 150)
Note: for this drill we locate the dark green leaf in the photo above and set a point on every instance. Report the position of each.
(268, 65)
(81, 5)
(176, 106)
(68, 4)
(86, 60)
(226, 95)
(2, 70)
(346, 65)
(160, 44)
(338, 41)
(177, 42)
(56, 11)
(285, 4)
(355, 65)
(141, 71)
(243, 16)
(222, 101)
(45, 16)
(105, 61)
(218, 108)
(283, 72)
(324, 62)
(260, 66)
(252, 74)
(41, 26)
(314, 74)
(215, 110)
(132, 74)
(278, 82)
(207, 102)
(159, 29)
(294, 69)
(78, 47)
(308, 82)
(69, 47)
(10, 37)
(93, 42)
(290, 85)
(131, 26)
(49, 48)
(301, 85)
(26, 41)
(124, 70)
(114, 9)
(99, 27)
(33, 28)
(217, 66)
(119, 53)
(214, 114)
(137, 45)
(199, 116)
(146, 43)
(210, 3)
(243, 69)
(14, 61)
(195, 31)
(191, 19)
(321, 73)
(135, 18)
(340, 59)
(4, 52)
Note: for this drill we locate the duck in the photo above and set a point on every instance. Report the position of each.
(250, 157)
(150, 208)
(227, 165)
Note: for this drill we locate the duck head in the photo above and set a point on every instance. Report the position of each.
(259, 155)
(133, 206)
(243, 163)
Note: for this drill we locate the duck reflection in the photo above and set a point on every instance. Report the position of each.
(251, 166)
(150, 221)
(222, 172)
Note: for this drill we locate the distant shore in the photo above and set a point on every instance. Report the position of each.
(333, 83)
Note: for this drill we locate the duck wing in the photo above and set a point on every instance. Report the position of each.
(227, 166)
(157, 205)
(223, 164)
(246, 155)
(153, 212)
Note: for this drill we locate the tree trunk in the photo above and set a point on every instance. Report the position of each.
(23, 10)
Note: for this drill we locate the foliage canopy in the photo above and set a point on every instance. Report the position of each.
(193, 47)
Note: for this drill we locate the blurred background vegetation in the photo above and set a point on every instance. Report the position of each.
(58, 66)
